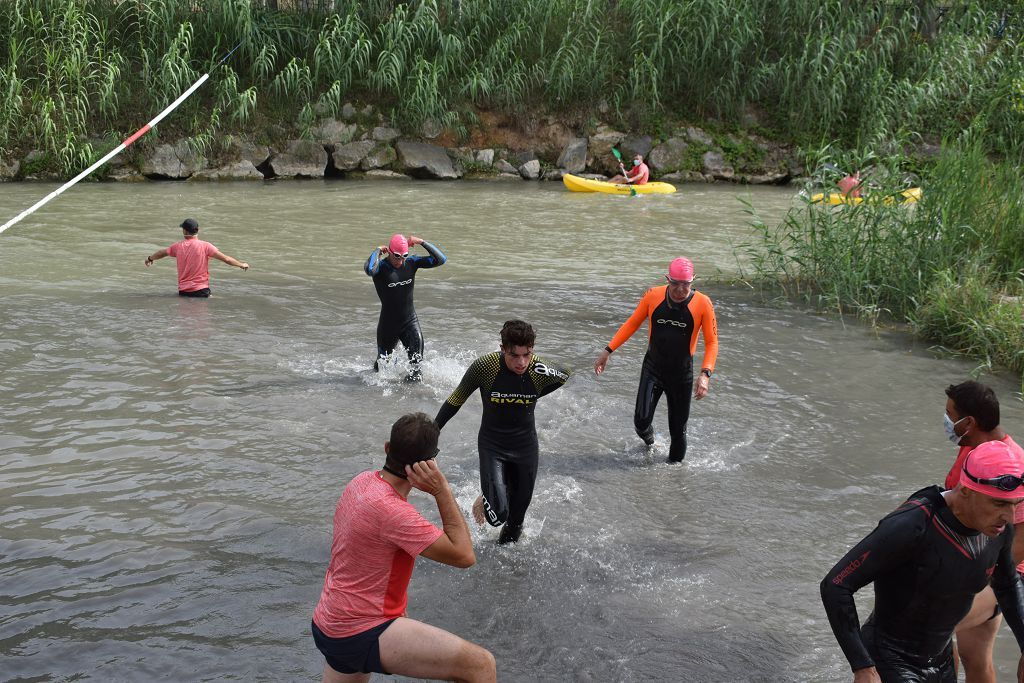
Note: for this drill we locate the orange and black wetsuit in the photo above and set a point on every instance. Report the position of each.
(507, 441)
(668, 364)
(927, 567)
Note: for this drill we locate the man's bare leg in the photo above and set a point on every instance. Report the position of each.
(412, 648)
(976, 637)
(332, 676)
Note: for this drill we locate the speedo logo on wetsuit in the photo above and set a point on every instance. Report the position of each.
(524, 399)
(399, 284)
(542, 369)
(677, 323)
(849, 569)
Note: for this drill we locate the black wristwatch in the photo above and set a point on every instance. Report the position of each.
(706, 373)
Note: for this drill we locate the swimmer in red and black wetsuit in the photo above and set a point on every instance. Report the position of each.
(675, 314)
(927, 560)
(510, 382)
(393, 271)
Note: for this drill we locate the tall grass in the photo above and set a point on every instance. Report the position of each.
(952, 265)
(71, 70)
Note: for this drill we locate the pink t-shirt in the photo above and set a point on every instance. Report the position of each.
(377, 536)
(639, 174)
(193, 256)
(849, 184)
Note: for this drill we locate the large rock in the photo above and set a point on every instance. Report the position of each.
(601, 158)
(381, 157)
(632, 146)
(714, 165)
(383, 134)
(174, 162)
(238, 170)
(530, 170)
(388, 175)
(300, 159)
(332, 131)
(699, 137)
(503, 167)
(350, 156)
(574, 156)
(484, 157)
(423, 160)
(348, 112)
(669, 156)
(9, 169)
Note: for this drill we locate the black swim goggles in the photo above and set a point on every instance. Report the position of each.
(402, 473)
(1004, 482)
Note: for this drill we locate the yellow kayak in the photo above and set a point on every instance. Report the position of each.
(577, 184)
(836, 198)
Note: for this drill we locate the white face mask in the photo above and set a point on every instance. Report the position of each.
(950, 432)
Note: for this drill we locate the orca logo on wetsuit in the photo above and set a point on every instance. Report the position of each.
(663, 321)
(542, 369)
(399, 284)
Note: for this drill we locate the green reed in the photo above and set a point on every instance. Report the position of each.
(814, 69)
(951, 265)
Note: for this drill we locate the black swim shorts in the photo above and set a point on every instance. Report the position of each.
(355, 654)
(204, 292)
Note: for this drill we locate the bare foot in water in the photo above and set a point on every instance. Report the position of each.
(478, 510)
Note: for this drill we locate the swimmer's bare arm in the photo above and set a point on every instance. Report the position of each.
(156, 256)
(455, 546)
(230, 261)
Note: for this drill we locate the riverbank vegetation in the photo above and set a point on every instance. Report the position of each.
(951, 265)
(811, 71)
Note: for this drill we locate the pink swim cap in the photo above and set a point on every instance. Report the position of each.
(988, 462)
(398, 245)
(681, 269)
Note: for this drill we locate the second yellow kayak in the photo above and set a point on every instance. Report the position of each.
(577, 184)
(836, 198)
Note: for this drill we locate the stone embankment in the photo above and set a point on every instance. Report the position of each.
(361, 144)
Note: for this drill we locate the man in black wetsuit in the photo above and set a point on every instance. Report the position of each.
(510, 382)
(394, 271)
(927, 560)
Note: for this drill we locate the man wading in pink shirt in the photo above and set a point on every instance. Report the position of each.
(193, 256)
(359, 624)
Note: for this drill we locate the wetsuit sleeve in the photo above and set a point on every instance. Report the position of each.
(372, 263)
(470, 383)
(1008, 589)
(632, 324)
(893, 543)
(436, 258)
(547, 377)
(709, 328)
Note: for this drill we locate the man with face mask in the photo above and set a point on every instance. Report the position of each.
(927, 560)
(638, 175)
(971, 419)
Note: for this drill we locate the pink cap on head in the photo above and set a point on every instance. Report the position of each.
(398, 245)
(681, 269)
(991, 460)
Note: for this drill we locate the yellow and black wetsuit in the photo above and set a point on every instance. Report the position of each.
(668, 364)
(398, 321)
(508, 433)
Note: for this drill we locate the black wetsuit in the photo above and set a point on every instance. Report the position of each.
(926, 567)
(398, 321)
(508, 433)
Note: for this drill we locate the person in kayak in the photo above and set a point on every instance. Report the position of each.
(193, 256)
(850, 185)
(638, 175)
(393, 271)
(675, 315)
(927, 560)
(510, 382)
(971, 418)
